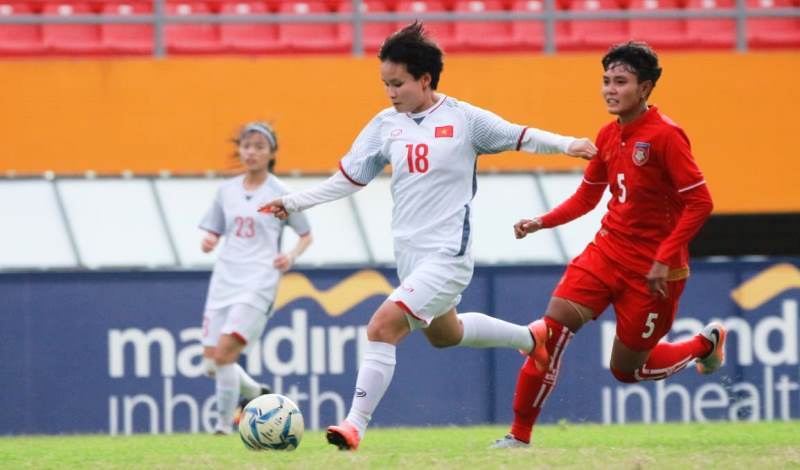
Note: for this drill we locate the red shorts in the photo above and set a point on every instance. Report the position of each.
(595, 281)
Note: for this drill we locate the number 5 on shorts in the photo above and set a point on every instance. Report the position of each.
(650, 324)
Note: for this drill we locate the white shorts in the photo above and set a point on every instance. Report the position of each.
(244, 322)
(430, 284)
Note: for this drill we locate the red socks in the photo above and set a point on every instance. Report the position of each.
(666, 359)
(534, 386)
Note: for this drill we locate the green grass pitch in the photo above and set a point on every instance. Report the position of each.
(752, 446)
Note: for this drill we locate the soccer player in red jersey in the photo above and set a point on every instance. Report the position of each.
(638, 261)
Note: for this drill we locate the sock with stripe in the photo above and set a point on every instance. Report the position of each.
(534, 386)
(667, 359)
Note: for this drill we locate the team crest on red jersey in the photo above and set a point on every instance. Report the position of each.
(641, 153)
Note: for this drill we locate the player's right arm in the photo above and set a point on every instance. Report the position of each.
(363, 162)
(585, 198)
(213, 223)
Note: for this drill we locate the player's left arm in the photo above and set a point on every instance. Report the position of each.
(691, 186)
(492, 134)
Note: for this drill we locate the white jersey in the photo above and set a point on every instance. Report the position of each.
(244, 271)
(433, 156)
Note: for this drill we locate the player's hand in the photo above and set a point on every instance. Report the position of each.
(657, 279)
(283, 262)
(275, 208)
(582, 148)
(526, 226)
(209, 242)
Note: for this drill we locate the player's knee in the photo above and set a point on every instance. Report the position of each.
(624, 377)
(223, 356)
(440, 343)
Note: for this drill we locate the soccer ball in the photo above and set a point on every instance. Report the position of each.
(271, 422)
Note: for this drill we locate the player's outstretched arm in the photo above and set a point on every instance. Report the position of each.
(333, 188)
(582, 148)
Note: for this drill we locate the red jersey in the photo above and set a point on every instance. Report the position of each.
(659, 201)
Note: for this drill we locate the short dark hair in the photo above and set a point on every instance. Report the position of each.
(641, 58)
(412, 47)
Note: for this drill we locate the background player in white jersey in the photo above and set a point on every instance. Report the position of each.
(432, 142)
(247, 271)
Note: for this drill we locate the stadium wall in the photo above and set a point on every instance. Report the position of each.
(119, 353)
(146, 115)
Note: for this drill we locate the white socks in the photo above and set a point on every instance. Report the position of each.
(374, 376)
(227, 384)
(483, 331)
(248, 387)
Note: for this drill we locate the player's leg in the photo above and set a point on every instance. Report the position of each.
(243, 325)
(477, 330)
(387, 327)
(535, 381)
(211, 331)
(578, 297)
(642, 320)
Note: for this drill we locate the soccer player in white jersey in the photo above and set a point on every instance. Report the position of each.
(247, 271)
(432, 142)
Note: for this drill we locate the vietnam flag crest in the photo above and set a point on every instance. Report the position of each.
(443, 131)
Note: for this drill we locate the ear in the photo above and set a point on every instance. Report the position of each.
(425, 80)
(646, 87)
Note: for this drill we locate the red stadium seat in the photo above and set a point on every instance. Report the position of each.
(772, 32)
(711, 33)
(310, 37)
(441, 33)
(593, 34)
(482, 35)
(529, 34)
(373, 33)
(661, 34)
(81, 39)
(249, 38)
(127, 38)
(187, 38)
(19, 39)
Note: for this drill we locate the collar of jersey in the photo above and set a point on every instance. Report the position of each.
(628, 129)
(423, 114)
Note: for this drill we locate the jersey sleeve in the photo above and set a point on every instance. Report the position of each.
(679, 162)
(586, 198)
(299, 223)
(214, 220)
(489, 132)
(365, 159)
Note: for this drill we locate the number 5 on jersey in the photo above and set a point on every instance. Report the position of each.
(417, 158)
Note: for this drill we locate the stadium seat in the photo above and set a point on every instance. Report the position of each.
(528, 34)
(772, 32)
(72, 39)
(481, 36)
(593, 34)
(373, 33)
(711, 33)
(127, 38)
(660, 33)
(310, 37)
(186, 38)
(19, 39)
(248, 38)
(441, 33)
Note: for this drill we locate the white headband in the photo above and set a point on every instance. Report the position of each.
(265, 131)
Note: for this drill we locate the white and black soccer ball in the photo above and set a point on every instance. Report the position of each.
(271, 422)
